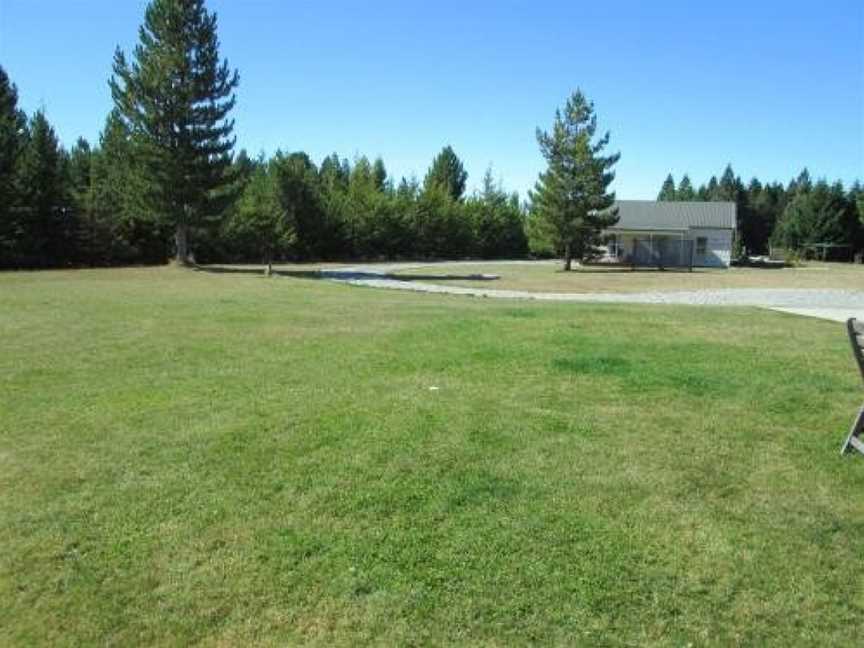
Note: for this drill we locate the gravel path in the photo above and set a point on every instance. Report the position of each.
(833, 302)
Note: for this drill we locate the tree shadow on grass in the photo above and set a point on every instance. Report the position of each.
(260, 271)
(344, 275)
(441, 277)
(626, 270)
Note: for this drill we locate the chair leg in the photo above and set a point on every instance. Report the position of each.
(853, 442)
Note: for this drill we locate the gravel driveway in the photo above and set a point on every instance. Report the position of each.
(828, 304)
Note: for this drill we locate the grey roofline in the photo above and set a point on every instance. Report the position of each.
(651, 215)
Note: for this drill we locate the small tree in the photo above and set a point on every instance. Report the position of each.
(175, 97)
(571, 198)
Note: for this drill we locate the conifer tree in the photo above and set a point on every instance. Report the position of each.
(685, 190)
(667, 191)
(571, 199)
(40, 182)
(175, 97)
(13, 129)
(262, 216)
(447, 174)
(379, 175)
(334, 173)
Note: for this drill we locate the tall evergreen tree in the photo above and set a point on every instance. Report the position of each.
(856, 197)
(78, 170)
(667, 191)
(121, 226)
(176, 97)
(262, 216)
(572, 198)
(13, 138)
(730, 186)
(44, 225)
(685, 190)
(447, 174)
(379, 174)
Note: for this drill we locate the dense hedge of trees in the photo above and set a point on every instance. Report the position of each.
(794, 216)
(93, 205)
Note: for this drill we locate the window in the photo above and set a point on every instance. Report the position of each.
(614, 247)
(701, 245)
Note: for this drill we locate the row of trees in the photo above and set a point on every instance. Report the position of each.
(101, 205)
(164, 174)
(794, 216)
(341, 209)
(163, 180)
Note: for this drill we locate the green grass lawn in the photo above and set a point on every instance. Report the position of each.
(548, 277)
(226, 459)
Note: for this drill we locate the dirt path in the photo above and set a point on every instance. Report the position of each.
(829, 304)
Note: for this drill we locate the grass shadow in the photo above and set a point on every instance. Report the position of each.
(441, 277)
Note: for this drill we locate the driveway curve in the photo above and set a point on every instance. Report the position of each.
(830, 304)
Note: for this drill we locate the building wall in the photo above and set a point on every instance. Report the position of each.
(718, 252)
(718, 248)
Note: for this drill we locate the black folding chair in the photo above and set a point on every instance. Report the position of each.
(856, 337)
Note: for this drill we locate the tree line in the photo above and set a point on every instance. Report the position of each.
(163, 181)
(95, 205)
(794, 216)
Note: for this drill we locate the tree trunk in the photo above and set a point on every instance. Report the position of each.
(568, 257)
(268, 271)
(181, 241)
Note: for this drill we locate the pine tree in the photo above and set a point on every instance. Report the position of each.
(121, 225)
(334, 173)
(856, 197)
(685, 190)
(730, 187)
(821, 214)
(803, 183)
(13, 130)
(379, 175)
(667, 191)
(711, 191)
(40, 182)
(175, 98)
(78, 169)
(571, 199)
(447, 174)
(262, 216)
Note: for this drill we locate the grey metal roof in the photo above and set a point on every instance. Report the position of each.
(657, 215)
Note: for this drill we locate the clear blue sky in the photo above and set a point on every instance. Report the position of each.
(683, 86)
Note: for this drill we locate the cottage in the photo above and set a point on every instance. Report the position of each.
(672, 234)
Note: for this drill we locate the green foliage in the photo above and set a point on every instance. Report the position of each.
(667, 191)
(175, 98)
(760, 207)
(44, 222)
(822, 214)
(685, 191)
(446, 174)
(261, 219)
(497, 221)
(118, 225)
(13, 139)
(571, 198)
